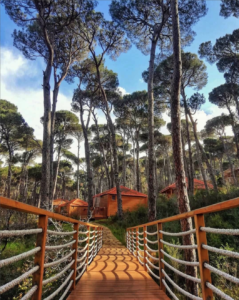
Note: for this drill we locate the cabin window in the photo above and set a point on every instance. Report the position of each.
(113, 197)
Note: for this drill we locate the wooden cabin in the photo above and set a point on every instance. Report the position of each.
(75, 208)
(105, 204)
(228, 175)
(56, 205)
(171, 190)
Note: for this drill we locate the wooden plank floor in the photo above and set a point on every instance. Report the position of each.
(116, 274)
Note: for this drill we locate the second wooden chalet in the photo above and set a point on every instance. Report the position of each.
(105, 204)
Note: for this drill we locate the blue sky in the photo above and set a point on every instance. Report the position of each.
(22, 79)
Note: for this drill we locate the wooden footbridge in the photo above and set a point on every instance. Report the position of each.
(87, 262)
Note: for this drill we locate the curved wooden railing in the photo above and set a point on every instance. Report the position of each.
(147, 245)
(81, 244)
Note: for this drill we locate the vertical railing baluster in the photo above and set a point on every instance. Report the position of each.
(137, 242)
(40, 257)
(93, 251)
(161, 256)
(88, 240)
(203, 257)
(74, 255)
(145, 248)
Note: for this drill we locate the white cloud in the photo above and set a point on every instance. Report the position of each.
(122, 91)
(141, 80)
(15, 68)
(201, 117)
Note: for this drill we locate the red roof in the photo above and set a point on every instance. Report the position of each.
(59, 201)
(75, 202)
(198, 185)
(124, 192)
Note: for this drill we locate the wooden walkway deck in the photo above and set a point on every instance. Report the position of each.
(116, 274)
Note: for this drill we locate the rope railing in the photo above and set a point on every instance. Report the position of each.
(151, 264)
(4, 288)
(56, 262)
(169, 290)
(154, 260)
(179, 246)
(151, 233)
(84, 240)
(67, 290)
(221, 273)
(152, 273)
(30, 293)
(184, 262)
(52, 232)
(221, 251)
(47, 241)
(53, 278)
(178, 233)
(81, 273)
(11, 233)
(60, 288)
(181, 273)
(151, 242)
(220, 231)
(218, 292)
(151, 256)
(56, 247)
(7, 261)
(182, 291)
(151, 249)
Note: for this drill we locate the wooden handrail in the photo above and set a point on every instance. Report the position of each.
(43, 216)
(202, 250)
(229, 204)
(22, 207)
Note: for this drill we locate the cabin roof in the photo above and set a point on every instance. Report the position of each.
(198, 185)
(59, 201)
(124, 192)
(75, 202)
(229, 171)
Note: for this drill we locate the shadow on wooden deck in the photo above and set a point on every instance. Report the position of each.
(116, 274)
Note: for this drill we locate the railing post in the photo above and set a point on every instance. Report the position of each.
(145, 248)
(88, 240)
(97, 239)
(93, 251)
(137, 242)
(74, 255)
(40, 257)
(161, 256)
(203, 257)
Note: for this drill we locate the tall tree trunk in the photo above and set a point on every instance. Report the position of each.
(151, 158)
(200, 164)
(221, 169)
(191, 168)
(78, 169)
(204, 155)
(124, 163)
(114, 145)
(103, 153)
(134, 171)
(137, 162)
(53, 119)
(234, 129)
(22, 188)
(183, 201)
(184, 156)
(9, 178)
(45, 182)
(56, 174)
